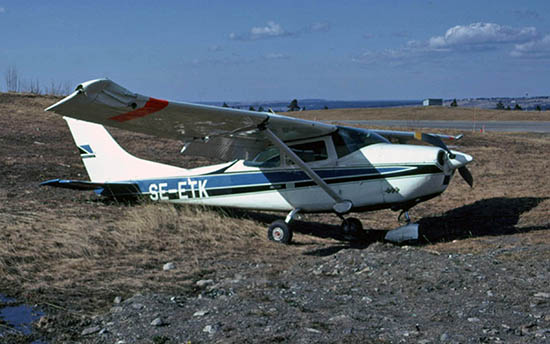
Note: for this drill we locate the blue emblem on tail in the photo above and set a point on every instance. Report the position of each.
(86, 151)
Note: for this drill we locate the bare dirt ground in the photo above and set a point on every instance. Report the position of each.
(479, 274)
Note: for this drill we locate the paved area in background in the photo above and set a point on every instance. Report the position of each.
(502, 126)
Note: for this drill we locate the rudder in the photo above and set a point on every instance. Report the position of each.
(106, 161)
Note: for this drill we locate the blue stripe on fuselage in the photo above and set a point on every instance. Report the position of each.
(240, 179)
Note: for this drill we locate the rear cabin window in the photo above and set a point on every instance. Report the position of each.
(310, 151)
(348, 140)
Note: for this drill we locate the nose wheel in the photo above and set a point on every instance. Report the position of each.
(351, 226)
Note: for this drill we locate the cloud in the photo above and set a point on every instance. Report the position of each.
(476, 37)
(535, 49)
(276, 56)
(221, 61)
(318, 27)
(480, 36)
(2, 10)
(274, 30)
(271, 30)
(215, 48)
(400, 34)
(236, 59)
(389, 56)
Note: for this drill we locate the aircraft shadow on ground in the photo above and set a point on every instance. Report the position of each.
(487, 217)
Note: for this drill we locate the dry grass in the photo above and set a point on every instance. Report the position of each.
(69, 248)
(41, 253)
(424, 113)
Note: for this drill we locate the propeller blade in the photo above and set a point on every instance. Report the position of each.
(433, 140)
(465, 173)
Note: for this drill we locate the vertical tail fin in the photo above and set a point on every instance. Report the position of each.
(106, 161)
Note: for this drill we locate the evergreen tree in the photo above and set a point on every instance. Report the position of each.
(225, 104)
(517, 107)
(251, 108)
(500, 106)
(293, 106)
(538, 108)
(453, 103)
(261, 109)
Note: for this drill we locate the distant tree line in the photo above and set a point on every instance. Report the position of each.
(292, 106)
(14, 83)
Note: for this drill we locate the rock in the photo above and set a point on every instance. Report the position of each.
(117, 300)
(137, 306)
(444, 337)
(103, 331)
(203, 283)
(312, 330)
(210, 329)
(542, 295)
(366, 299)
(158, 322)
(542, 332)
(474, 319)
(168, 266)
(338, 318)
(200, 313)
(90, 330)
(44, 322)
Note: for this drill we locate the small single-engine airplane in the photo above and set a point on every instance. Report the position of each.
(278, 163)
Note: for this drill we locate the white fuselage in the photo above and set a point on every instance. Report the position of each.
(376, 176)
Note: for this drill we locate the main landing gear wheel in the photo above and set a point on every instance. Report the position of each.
(351, 226)
(280, 232)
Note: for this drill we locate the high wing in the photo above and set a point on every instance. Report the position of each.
(205, 130)
(433, 139)
(410, 135)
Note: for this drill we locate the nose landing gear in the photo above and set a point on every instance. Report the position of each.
(408, 232)
(351, 226)
(404, 217)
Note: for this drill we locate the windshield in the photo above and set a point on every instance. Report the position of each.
(347, 140)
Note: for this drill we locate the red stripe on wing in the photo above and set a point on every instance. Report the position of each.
(153, 105)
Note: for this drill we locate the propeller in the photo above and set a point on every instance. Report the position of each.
(466, 175)
(436, 141)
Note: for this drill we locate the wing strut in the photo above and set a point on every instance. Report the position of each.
(341, 206)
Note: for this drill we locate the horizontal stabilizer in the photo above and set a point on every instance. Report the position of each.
(104, 189)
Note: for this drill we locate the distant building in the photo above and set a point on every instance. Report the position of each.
(432, 101)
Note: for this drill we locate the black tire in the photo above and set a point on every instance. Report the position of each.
(279, 232)
(351, 226)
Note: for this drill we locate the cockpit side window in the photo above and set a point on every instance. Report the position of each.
(271, 157)
(310, 151)
(348, 140)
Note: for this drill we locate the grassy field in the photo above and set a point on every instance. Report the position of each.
(75, 251)
(425, 113)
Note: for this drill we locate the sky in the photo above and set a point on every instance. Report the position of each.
(280, 50)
